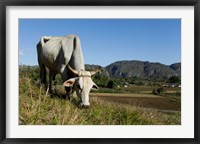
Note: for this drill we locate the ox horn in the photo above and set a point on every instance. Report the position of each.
(73, 70)
(95, 71)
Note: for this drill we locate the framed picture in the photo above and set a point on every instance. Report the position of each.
(99, 72)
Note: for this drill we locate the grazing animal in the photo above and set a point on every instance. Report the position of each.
(59, 55)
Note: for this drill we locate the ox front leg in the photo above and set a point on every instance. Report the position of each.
(65, 76)
(50, 83)
(68, 93)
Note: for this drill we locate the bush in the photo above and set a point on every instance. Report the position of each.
(111, 84)
(100, 80)
(158, 91)
(174, 79)
(154, 91)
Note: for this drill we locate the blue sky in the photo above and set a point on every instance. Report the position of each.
(104, 41)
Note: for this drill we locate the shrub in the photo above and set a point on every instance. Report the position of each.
(174, 79)
(111, 84)
(158, 91)
(154, 91)
(100, 80)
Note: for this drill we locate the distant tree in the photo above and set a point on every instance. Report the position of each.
(158, 91)
(100, 80)
(154, 91)
(111, 84)
(174, 79)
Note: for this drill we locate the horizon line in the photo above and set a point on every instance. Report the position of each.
(20, 64)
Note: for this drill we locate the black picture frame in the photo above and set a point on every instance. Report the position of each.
(5, 3)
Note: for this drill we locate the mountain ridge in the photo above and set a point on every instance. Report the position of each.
(136, 68)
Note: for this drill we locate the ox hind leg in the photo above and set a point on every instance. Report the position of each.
(51, 78)
(43, 74)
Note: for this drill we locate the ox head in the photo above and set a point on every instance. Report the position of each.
(82, 84)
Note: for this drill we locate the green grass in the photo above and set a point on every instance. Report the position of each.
(38, 108)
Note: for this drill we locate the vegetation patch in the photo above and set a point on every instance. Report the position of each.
(118, 106)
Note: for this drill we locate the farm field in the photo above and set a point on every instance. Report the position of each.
(36, 107)
(141, 100)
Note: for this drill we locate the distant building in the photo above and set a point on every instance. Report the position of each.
(174, 85)
(125, 86)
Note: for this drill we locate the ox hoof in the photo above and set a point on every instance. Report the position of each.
(86, 106)
(68, 98)
(83, 106)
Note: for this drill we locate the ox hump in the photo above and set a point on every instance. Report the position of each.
(45, 39)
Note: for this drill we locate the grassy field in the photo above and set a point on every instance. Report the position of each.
(36, 107)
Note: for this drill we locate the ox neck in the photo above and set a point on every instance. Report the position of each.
(79, 68)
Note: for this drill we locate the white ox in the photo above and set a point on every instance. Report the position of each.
(57, 53)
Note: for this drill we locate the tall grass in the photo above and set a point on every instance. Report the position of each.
(38, 108)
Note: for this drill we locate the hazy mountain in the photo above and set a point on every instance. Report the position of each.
(134, 68)
(176, 67)
(142, 69)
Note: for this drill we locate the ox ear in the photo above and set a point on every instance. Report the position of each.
(69, 82)
(95, 87)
